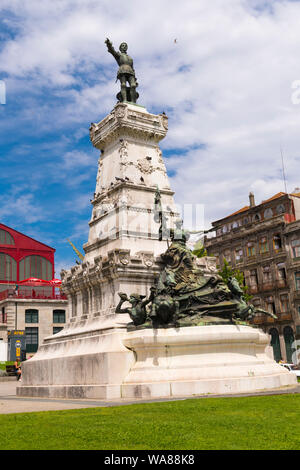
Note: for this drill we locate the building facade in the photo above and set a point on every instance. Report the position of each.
(263, 241)
(40, 311)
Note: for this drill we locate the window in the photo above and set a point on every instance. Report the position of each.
(281, 271)
(35, 266)
(270, 304)
(8, 268)
(32, 339)
(253, 278)
(284, 302)
(263, 245)
(245, 221)
(256, 218)
(289, 339)
(234, 225)
(227, 256)
(251, 249)
(59, 316)
(31, 316)
(280, 209)
(256, 303)
(6, 238)
(268, 213)
(267, 277)
(239, 255)
(3, 316)
(295, 244)
(277, 243)
(275, 343)
(297, 280)
(57, 329)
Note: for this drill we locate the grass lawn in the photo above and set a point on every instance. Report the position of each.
(270, 422)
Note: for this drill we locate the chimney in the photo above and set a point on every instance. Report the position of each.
(251, 199)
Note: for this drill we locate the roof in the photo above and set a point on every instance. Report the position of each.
(238, 212)
(244, 209)
(23, 241)
(276, 196)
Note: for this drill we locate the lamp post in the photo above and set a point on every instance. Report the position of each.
(16, 316)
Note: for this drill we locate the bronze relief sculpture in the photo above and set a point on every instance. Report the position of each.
(183, 295)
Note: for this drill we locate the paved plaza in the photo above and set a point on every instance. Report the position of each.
(10, 403)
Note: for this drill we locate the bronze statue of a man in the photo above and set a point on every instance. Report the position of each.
(126, 73)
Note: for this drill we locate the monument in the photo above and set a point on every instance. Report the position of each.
(146, 317)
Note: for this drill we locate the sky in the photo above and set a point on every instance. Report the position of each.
(226, 72)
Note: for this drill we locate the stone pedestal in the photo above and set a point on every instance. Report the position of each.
(87, 361)
(220, 359)
(146, 363)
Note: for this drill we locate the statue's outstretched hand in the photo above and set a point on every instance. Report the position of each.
(123, 296)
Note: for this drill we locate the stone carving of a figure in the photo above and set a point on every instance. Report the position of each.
(126, 73)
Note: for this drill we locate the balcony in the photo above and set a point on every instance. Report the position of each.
(264, 254)
(284, 316)
(266, 320)
(265, 286)
(296, 295)
(258, 320)
(263, 319)
(253, 289)
(31, 294)
(268, 286)
(280, 283)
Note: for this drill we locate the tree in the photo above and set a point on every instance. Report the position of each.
(227, 271)
(200, 252)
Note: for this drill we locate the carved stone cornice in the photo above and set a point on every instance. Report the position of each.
(126, 121)
(109, 192)
(119, 263)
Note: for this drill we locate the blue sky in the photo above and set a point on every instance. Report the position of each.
(226, 85)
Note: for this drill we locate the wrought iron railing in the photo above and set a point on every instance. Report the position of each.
(31, 294)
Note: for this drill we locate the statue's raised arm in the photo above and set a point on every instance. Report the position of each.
(126, 73)
(112, 50)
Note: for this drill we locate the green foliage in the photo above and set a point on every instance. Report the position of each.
(3, 364)
(227, 271)
(200, 252)
(242, 423)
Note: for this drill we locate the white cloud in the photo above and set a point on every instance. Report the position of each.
(22, 207)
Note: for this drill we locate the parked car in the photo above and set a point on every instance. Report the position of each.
(295, 369)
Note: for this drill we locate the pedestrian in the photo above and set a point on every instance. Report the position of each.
(18, 370)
